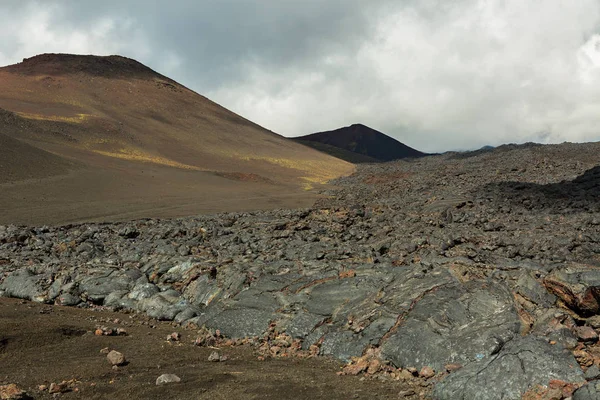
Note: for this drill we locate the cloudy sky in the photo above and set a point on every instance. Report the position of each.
(435, 74)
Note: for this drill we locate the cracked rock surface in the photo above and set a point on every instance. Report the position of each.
(481, 268)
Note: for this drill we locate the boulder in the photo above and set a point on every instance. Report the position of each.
(522, 363)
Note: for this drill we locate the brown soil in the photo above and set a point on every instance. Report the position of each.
(41, 344)
(85, 137)
(125, 191)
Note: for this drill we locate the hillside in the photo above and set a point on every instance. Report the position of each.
(133, 143)
(359, 144)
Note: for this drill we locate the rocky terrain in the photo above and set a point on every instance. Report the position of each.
(475, 274)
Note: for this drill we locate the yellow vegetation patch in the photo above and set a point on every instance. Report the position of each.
(77, 119)
(138, 155)
(317, 171)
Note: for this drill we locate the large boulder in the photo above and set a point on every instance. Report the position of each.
(455, 324)
(24, 284)
(506, 375)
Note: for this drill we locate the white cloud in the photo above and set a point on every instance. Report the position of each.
(435, 74)
(442, 75)
(39, 27)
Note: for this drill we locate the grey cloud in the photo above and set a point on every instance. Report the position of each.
(435, 74)
(217, 38)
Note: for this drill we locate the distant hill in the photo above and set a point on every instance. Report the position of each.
(359, 144)
(90, 137)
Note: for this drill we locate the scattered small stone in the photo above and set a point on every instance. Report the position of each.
(427, 372)
(167, 378)
(405, 375)
(216, 357)
(174, 337)
(105, 350)
(586, 334)
(583, 358)
(452, 367)
(104, 331)
(12, 392)
(374, 366)
(61, 387)
(115, 358)
(356, 367)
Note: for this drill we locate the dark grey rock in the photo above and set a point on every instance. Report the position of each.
(454, 324)
(343, 345)
(185, 315)
(301, 324)
(578, 287)
(591, 391)
(67, 299)
(592, 373)
(102, 283)
(521, 364)
(24, 284)
(534, 291)
(118, 301)
(143, 291)
(241, 322)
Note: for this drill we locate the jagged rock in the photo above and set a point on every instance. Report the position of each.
(591, 391)
(241, 322)
(103, 282)
(452, 258)
(578, 287)
(24, 284)
(454, 324)
(508, 374)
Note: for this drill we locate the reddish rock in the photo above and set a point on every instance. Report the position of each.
(586, 334)
(452, 367)
(314, 350)
(347, 274)
(540, 392)
(583, 358)
(574, 292)
(374, 367)
(59, 387)
(12, 392)
(356, 367)
(427, 372)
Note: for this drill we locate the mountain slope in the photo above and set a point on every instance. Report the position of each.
(117, 117)
(359, 143)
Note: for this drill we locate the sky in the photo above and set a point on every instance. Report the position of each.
(437, 75)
